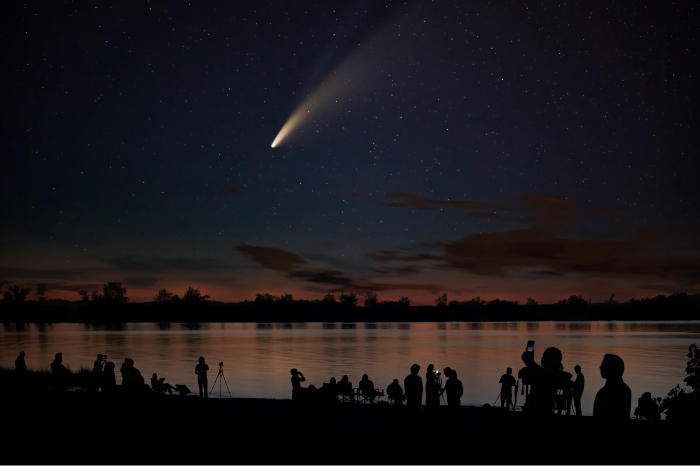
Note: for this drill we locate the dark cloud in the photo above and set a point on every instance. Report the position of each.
(272, 258)
(76, 288)
(665, 253)
(548, 212)
(155, 264)
(56, 274)
(141, 282)
(282, 261)
(413, 201)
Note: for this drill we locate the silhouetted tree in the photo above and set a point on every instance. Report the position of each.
(475, 301)
(453, 303)
(349, 299)
(95, 296)
(40, 292)
(574, 300)
(329, 298)
(175, 299)
(442, 300)
(531, 302)
(16, 293)
(114, 292)
(163, 296)
(370, 299)
(612, 300)
(265, 298)
(194, 296)
(84, 295)
(404, 300)
(286, 298)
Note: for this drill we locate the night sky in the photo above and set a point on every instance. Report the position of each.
(500, 149)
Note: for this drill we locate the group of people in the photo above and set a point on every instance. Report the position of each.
(413, 394)
(546, 387)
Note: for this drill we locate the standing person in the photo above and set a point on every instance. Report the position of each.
(613, 402)
(544, 380)
(109, 380)
(96, 374)
(58, 373)
(297, 379)
(201, 371)
(432, 389)
(507, 383)
(20, 365)
(454, 389)
(578, 389)
(413, 386)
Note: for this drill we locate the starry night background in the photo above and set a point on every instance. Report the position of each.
(500, 150)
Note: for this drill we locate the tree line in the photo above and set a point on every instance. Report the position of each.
(115, 292)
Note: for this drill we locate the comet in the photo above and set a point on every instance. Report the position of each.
(372, 65)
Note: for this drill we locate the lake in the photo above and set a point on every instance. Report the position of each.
(257, 357)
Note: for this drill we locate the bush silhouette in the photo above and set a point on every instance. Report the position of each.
(531, 302)
(574, 300)
(329, 298)
(40, 292)
(404, 300)
(680, 406)
(84, 295)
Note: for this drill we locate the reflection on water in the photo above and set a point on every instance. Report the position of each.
(258, 356)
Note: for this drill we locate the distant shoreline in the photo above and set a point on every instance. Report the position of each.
(685, 308)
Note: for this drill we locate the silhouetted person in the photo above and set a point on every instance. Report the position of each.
(395, 392)
(201, 371)
(345, 388)
(578, 389)
(453, 388)
(413, 386)
(647, 408)
(109, 379)
(432, 389)
(160, 386)
(297, 379)
(367, 388)
(58, 373)
(20, 365)
(544, 380)
(96, 374)
(613, 402)
(507, 383)
(132, 380)
(330, 390)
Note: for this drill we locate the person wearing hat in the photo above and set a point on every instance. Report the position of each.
(545, 380)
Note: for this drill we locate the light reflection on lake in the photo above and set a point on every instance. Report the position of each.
(257, 357)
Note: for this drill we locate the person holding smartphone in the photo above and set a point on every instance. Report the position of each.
(545, 380)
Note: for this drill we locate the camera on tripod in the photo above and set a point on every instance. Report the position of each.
(221, 364)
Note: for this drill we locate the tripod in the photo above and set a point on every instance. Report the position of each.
(220, 374)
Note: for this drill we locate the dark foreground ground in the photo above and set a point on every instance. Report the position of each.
(79, 428)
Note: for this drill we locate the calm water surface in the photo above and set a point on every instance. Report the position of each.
(257, 357)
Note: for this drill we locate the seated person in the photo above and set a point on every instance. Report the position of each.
(160, 386)
(330, 390)
(647, 408)
(395, 392)
(367, 388)
(345, 388)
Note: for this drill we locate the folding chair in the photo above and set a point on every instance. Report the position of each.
(182, 390)
(397, 401)
(363, 397)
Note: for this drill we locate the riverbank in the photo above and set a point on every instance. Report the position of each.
(39, 426)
